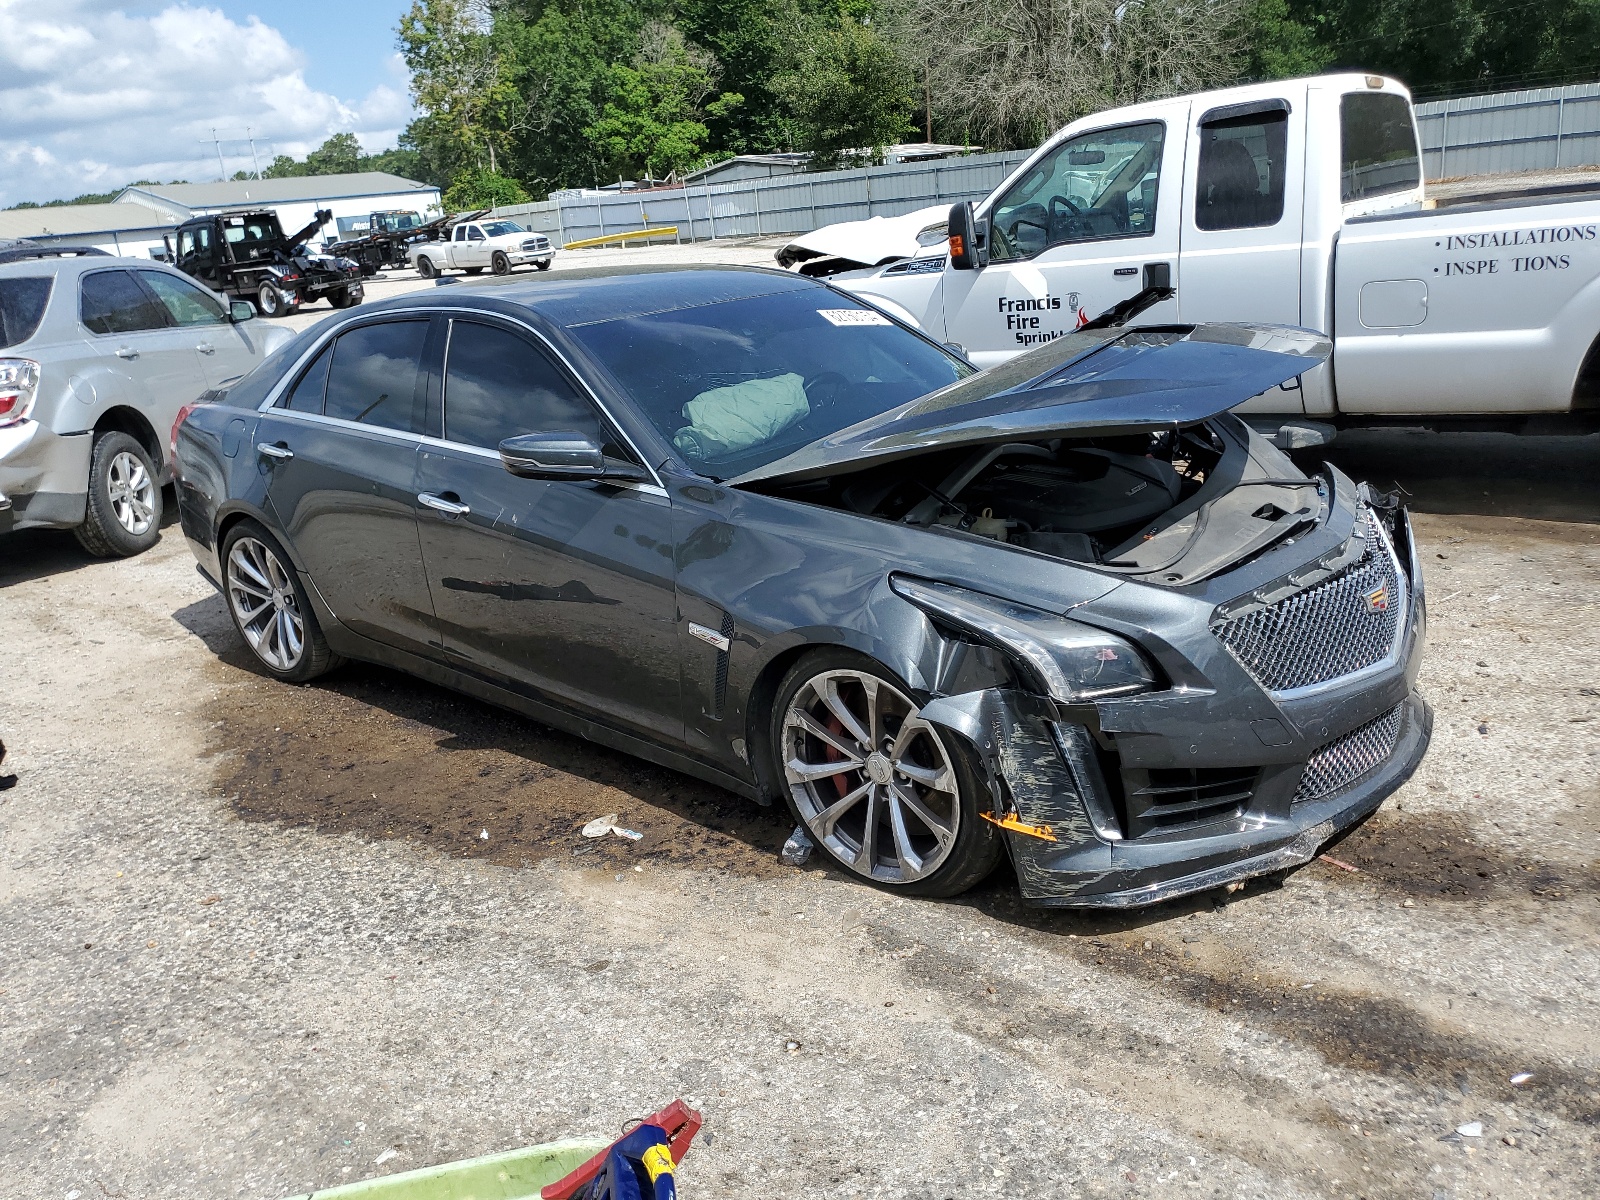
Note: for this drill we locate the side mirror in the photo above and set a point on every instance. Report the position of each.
(969, 241)
(240, 311)
(564, 455)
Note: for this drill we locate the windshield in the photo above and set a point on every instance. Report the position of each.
(393, 222)
(737, 384)
(501, 228)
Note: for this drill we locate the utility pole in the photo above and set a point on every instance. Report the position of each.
(222, 171)
(253, 159)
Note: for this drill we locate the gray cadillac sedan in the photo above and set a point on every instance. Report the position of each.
(740, 523)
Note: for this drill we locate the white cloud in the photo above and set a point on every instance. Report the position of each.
(92, 97)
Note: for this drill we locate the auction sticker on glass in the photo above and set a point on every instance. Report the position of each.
(852, 316)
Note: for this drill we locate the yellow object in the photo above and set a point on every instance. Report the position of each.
(632, 236)
(1012, 822)
(658, 1161)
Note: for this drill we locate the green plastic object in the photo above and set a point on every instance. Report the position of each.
(513, 1175)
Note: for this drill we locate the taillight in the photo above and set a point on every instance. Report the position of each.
(183, 415)
(19, 384)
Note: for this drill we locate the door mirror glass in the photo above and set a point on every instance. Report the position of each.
(241, 310)
(563, 454)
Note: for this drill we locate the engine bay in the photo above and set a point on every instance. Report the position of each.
(1173, 506)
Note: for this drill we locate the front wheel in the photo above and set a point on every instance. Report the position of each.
(544, 265)
(886, 795)
(123, 517)
(269, 606)
(499, 263)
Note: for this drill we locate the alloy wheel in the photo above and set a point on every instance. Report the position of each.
(873, 782)
(264, 604)
(132, 493)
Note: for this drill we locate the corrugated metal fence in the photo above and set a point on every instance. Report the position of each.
(1510, 131)
(1467, 135)
(763, 207)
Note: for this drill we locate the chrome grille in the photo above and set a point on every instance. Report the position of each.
(1344, 760)
(1327, 631)
(536, 244)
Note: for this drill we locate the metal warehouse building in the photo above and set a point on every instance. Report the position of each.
(351, 197)
(131, 229)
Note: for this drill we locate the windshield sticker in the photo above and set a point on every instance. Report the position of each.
(852, 316)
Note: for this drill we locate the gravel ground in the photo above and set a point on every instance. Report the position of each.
(251, 936)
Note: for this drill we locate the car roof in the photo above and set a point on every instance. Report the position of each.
(77, 265)
(591, 294)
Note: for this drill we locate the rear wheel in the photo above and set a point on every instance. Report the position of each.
(339, 297)
(499, 263)
(886, 795)
(270, 608)
(425, 267)
(123, 516)
(270, 301)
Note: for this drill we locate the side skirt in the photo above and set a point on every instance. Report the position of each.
(352, 645)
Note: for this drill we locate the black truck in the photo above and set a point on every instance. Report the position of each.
(384, 244)
(246, 254)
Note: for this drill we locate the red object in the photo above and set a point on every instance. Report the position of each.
(183, 415)
(679, 1120)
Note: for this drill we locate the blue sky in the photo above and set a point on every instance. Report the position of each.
(97, 93)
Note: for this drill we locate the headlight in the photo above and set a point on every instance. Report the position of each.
(19, 383)
(1074, 662)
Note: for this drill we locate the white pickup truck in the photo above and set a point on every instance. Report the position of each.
(1298, 202)
(497, 244)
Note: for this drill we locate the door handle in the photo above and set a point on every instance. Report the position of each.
(452, 508)
(206, 348)
(281, 453)
(127, 352)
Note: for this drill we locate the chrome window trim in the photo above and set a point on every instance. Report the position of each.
(451, 311)
(357, 426)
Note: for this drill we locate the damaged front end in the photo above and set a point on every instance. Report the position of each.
(1269, 709)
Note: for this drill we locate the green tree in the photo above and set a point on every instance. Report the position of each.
(653, 118)
(339, 155)
(1278, 46)
(478, 187)
(284, 167)
(846, 89)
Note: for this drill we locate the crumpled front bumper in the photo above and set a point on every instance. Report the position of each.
(1067, 768)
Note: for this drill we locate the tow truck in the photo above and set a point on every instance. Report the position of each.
(246, 254)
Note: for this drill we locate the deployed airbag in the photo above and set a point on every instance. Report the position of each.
(728, 419)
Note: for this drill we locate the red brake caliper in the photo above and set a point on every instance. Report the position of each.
(836, 727)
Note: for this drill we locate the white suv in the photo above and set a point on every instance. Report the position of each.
(97, 357)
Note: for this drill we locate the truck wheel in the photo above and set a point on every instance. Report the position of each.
(339, 298)
(544, 264)
(270, 301)
(499, 263)
(425, 267)
(124, 513)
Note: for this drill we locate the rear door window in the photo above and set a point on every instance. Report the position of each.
(306, 395)
(113, 302)
(376, 376)
(1378, 145)
(187, 304)
(498, 386)
(22, 304)
(1241, 171)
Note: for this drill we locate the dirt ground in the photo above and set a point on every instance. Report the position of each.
(252, 936)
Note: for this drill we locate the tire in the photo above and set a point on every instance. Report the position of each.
(499, 263)
(474, 270)
(270, 301)
(124, 511)
(339, 298)
(425, 267)
(269, 606)
(545, 265)
(947, 847)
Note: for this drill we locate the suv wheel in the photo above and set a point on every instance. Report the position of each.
(124, 510)
(269, 606)
(270, 301)
(499, 263)
(886, 795)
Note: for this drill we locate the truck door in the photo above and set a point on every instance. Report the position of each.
(1070, 237)
(197, 255)
(471, 248)
(1242, 209)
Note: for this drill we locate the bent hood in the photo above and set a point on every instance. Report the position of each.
(1091, 384)
(871, 242)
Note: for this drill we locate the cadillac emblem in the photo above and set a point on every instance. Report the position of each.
(1378, 599)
